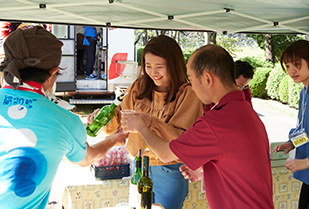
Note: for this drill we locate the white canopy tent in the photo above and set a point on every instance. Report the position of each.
(221, 16)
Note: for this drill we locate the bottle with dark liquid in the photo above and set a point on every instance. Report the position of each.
(144, 186)
(103, 117)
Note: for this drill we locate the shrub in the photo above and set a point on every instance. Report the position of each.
(258, 82)
(294, 90)
(258, 61)
(273, 81)
(284, 89)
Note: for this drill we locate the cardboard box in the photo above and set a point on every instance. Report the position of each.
(286, 191)
(107, 194)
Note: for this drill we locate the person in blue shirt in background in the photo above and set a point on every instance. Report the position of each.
(90, 42)
(295, 61)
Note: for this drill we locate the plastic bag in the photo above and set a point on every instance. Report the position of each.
(114, 156)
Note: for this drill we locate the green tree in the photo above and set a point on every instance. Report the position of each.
(228, 43)
(189, 41)
(279, 43)
(142, 36)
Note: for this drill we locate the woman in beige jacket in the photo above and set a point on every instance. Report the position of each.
(170, 107)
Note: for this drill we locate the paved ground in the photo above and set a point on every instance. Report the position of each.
(277, 118)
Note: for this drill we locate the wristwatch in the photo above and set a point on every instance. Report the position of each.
(308, 162)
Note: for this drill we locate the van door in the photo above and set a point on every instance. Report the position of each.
(66, 82)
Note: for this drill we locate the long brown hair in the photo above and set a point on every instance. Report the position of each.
(167, 48)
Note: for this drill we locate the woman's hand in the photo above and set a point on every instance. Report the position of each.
(91, 116)
(288, 146)
(133, 122)
(297, 164)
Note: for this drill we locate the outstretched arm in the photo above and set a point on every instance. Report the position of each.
(98, 151)
(135, 123)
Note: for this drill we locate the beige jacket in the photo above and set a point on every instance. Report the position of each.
(168, 121)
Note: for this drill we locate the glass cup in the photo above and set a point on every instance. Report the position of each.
(125, 112)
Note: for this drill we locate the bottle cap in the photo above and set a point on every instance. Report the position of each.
(119, 99)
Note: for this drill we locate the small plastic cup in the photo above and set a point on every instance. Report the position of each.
(126, 112)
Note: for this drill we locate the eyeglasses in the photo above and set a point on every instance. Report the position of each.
(242, 87)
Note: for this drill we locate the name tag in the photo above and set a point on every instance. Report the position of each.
(300, 139)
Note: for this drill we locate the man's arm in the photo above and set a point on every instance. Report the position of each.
(159, 146)
(98, 151)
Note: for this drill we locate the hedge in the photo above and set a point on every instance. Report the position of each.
(289, 91)
(274, 79)
(258, 83)
(284, 89)
(294, 90)
(258, 61)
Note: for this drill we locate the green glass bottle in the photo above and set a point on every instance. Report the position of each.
(144, 186)
(138, 169)
(103, 117)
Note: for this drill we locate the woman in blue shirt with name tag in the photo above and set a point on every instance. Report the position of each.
(295, 61)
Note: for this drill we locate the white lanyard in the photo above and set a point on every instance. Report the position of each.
(301, 123)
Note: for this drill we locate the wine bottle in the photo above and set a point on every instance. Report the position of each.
(134, 196)
(138, 169)
(103, 117)
(144, 186)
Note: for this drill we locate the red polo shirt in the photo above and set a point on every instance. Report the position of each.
(248, 95)
(231, 143)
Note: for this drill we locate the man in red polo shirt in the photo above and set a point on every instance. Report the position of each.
(229, 142)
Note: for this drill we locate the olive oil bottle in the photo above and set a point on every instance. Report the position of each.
(144, 186)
